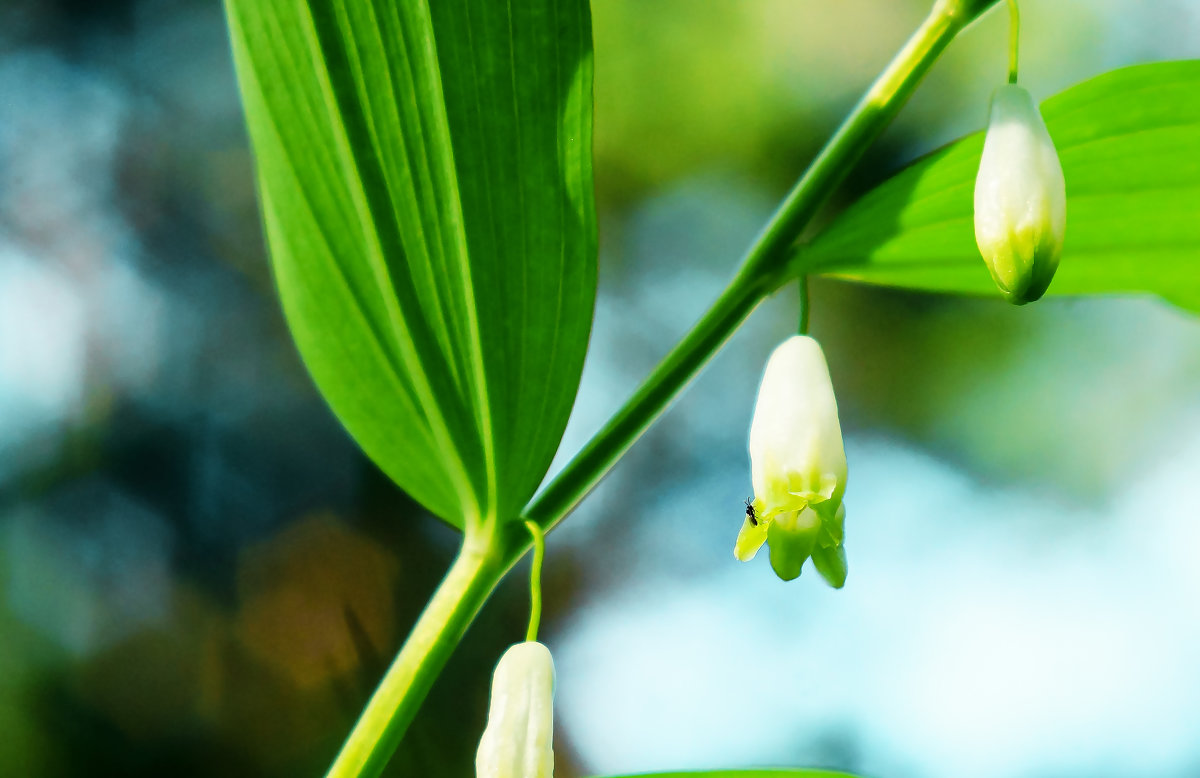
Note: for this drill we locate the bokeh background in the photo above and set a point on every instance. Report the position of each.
(200, 575)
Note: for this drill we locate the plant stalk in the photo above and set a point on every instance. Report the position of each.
(591, 464)
(535, 580)
(468, 583)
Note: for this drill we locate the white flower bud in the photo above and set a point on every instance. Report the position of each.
(798, 465)
(1020, 198)
(519, 739)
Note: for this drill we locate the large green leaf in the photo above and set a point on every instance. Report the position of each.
(1129, 141)
(770, 773)
(425, 179)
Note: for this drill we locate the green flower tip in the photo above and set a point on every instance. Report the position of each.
(1020, 198)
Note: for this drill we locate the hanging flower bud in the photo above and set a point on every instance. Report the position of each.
(798, 466)
(1020, 198)
(518, 741)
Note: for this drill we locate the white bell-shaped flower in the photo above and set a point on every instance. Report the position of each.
(519, 739)
(798, 466)
(1020, 198)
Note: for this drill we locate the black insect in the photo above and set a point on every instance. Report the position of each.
(750, 512)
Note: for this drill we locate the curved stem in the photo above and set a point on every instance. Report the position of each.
(535, 580)
(471, 578)
(1014, 39)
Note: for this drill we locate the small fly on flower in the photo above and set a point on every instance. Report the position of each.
(750, 512)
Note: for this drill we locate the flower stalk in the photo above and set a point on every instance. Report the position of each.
(1014, 40)
(535, 579)
(802, 324)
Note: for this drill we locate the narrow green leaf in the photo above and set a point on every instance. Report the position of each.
(1129, 141)
(769, 773)
(425, 179)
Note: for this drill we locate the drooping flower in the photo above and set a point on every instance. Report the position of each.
(1020, 198)
(798, 466)
(518, 741)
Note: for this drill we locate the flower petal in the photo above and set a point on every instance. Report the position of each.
(519, 739)
(791, 538)
(750, 540)
(831, 564)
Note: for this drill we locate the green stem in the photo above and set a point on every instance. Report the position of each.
(1014, 37)
(802, 328)
(471, 578)
(535, 579)
(586, 469)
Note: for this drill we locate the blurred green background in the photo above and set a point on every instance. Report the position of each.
(200, 575)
